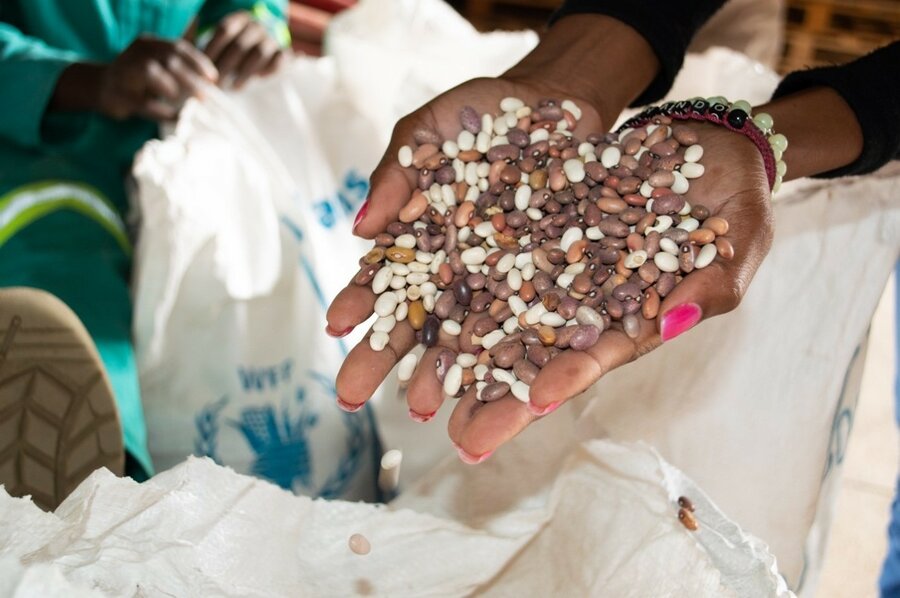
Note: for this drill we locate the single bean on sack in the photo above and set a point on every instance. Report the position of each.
(551, 239)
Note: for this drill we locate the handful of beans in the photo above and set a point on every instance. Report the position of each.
(553, 240)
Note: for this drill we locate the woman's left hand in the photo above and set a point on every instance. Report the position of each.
(242, 48)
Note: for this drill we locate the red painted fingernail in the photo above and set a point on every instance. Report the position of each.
(472, 459)
(680, 320)
(349, 407)
(361, 214)
(418, 417)
(338, 333)
(540, 412)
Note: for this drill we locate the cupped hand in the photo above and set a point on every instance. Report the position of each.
(152, 78)
(391, 188)
(734, 187)
(242, 47)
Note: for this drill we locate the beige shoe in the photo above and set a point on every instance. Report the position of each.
(58, 418)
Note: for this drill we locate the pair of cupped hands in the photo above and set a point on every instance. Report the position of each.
(734, 187)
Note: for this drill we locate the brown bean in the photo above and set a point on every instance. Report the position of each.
(470, 120)
(665, 283)
(481, 302)
(506, 354)
(547, 335)
(469, 156)
(422, 153)
(366, 274)
(444, 360)
(610, 205)
(584, 337)
(717, 225)
(400, 254)
(687, 519)
(701, 236)
(494, 391)
(685, 135)
(650, 304)
(724, 248)
(699, 212)
(525, 371)
(668, 204)
(539, 355)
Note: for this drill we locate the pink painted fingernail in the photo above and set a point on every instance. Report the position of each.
(418, 417)
(361, 214)
(337, 333)
(680, 320)
(472, 459)
(542, 411)
(349, 407)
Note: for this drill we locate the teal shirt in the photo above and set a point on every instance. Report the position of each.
(39, 39)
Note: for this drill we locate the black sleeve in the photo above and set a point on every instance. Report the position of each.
(667, 25)
(871, 87)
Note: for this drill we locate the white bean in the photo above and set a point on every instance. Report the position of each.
(405, 156)
(514, 279)
(574, 170)
(551, 318)
(465, 140)
(570, 236)
(693, 153)
(523, 194)
(691, 170)
(402, 311)
(501, 375)
(407, 241)
(517, 305)
(492, 338)
(681, 184)
(407, 367)
(385, 323)
(706, 256)
(610, 157)
(451, 327)
(473, 255)
(379, 340)
(386, 304)
(506, 263)
(382, 280)
(635, 259)
(511, 104)
(466, 360)
(666, 262)
(521, 391)
(668, 245)
(453, 380)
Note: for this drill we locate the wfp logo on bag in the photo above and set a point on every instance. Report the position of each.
(279, 437)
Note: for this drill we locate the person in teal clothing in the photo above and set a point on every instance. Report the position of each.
(84, 84)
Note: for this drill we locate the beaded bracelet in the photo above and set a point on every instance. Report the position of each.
(734, 116)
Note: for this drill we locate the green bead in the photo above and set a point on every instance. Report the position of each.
(742, 105)
(717, 100)
(778, 153)
(763, 121)
(780, 168)
(778, 141)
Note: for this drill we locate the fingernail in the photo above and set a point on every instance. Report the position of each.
(680, 320)
(538, 411)
(418, 417)
(472, 459)
(349, 407)
(337, 333)
(361, 214)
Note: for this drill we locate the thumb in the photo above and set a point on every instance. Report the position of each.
(391, 187)
(702, 294)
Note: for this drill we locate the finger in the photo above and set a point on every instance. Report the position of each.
(477, 428)
(352, 306)
(235, 53)
(702, 294)
(161, 83)
(275, 62)
(227, 30)
(255, 61)
(425, 393)
(197, 61)
(190, 83)
(391, 186)
(365, 369)
(573, 372)
(157, 110)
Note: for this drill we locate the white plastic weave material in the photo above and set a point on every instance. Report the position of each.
(608, 527)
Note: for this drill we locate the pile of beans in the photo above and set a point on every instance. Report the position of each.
(552, 240)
